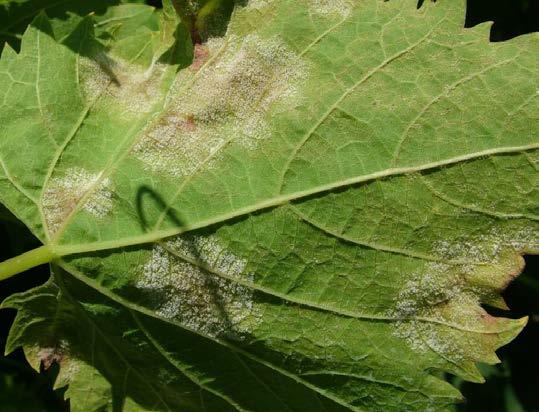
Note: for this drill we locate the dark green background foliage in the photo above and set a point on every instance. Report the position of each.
(20, 386)
(511, 386)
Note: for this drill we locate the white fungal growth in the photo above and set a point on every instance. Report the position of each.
(214, 45)
(488, 248)
(207, 250)
(418, 300)
(228, 103)
(340, 8)
(128, 88)
(493, 249)
(63, 194)
(194, 287)
(258, 4)
(434, 310)
(330, 8)
(451, 292)
(427, 290)
(94, 76)
(47, 355)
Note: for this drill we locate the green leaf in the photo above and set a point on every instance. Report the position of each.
(308, 216)
(16, 15)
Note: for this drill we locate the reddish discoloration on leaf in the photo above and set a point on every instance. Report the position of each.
(515, 271)
(51, 355)
(201, 56)
(190, 123)
(488, 319)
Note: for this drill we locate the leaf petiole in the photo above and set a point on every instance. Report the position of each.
(28, 260)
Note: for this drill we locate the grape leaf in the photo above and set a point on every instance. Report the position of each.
(305, 214)
(16, 15)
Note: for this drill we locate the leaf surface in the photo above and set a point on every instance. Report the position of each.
(307, 215)
(16, 15)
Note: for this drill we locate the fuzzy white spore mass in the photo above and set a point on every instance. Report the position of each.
(228, 103)
(341, 8)
(128, 89)
(451, 292)
(195, 294)
(62, 195)
(329, 8)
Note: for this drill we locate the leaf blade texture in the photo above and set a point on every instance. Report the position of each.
(315, 205)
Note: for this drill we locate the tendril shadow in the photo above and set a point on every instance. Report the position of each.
(211, 284)
(157, 203)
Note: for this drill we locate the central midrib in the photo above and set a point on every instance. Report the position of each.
(63, 250)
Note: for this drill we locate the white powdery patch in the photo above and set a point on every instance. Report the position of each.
(330, 8)
(418, 300)
(59, 354)
(258, 4)
(340, 8)
(450, 292)
(63, 194)
(487, 248)
(208, 250)
(194, 296)
(426, 290)
(94, 76)
(126, 87)
(228, 103)
(55, 354)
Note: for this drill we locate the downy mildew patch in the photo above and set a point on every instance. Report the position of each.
(183, 279)
(58, 353)
(131, 92)
(436, 307)
(340, 8)
(329, 8)
(129, 88)
(229, 100)
(62, 194)
(52, 354)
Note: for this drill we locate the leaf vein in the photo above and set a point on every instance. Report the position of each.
(182, 370)
(346, 93)
(445, 93)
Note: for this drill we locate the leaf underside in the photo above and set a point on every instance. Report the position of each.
(306, 214)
